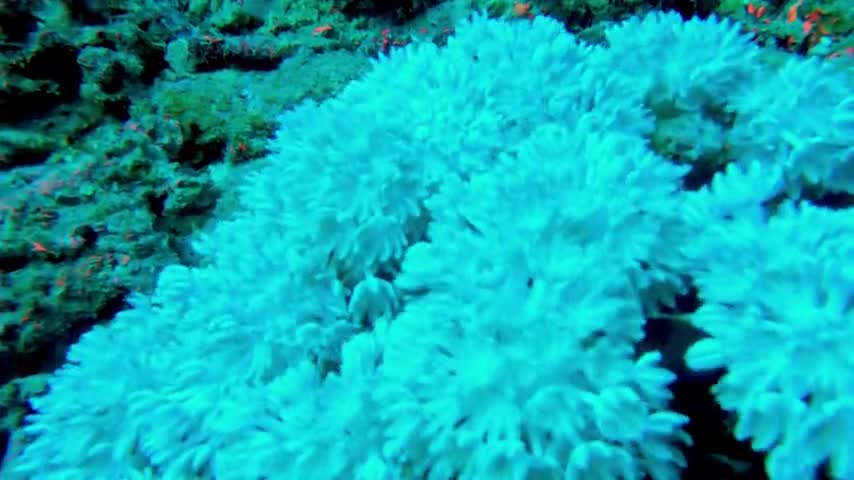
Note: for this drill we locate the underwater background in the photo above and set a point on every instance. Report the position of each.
(379, 240)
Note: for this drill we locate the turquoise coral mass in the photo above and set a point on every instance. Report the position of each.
(444, 272)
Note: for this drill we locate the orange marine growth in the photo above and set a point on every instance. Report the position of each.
(522, 9)
(792, 12)
(321, 29)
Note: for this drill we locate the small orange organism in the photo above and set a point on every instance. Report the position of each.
(522, 9)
